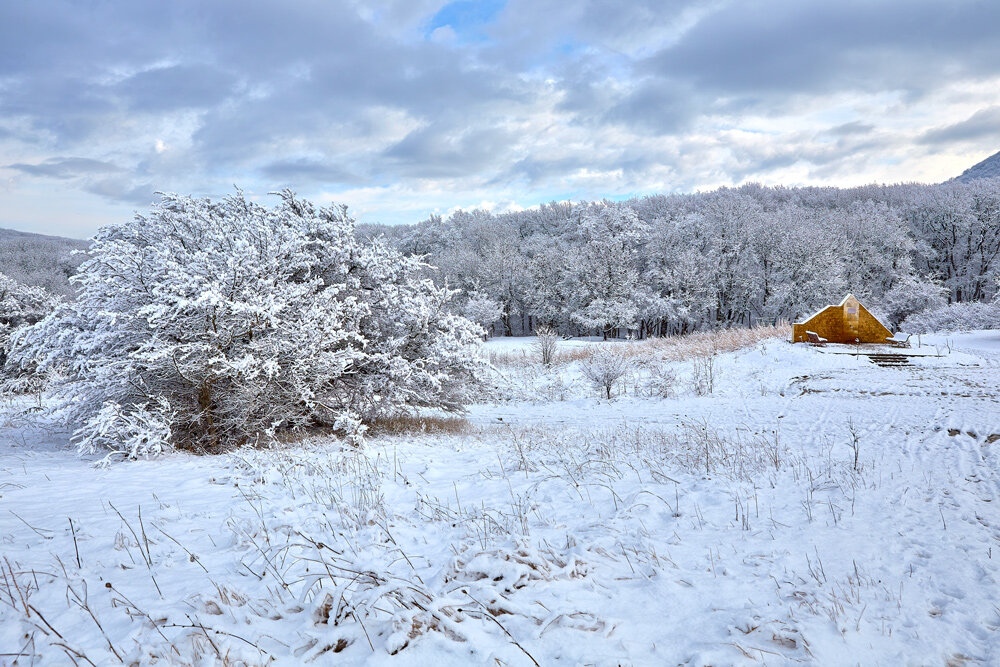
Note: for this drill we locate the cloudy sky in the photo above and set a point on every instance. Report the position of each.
(401, 108)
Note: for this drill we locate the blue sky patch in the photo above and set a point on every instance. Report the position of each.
(468, 18)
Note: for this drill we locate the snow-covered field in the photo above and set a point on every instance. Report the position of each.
(813, 508)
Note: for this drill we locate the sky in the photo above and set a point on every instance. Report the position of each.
(404, 108)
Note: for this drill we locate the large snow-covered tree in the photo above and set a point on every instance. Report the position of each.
(212, 324)
(607, 275)
(910, 297)
(958, 229)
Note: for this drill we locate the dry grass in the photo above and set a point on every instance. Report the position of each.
(672, 348)
(422, 425)
(532, 357)
(706, 343)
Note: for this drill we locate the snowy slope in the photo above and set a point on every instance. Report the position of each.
(38, 259)
(733, 528)
(988, 168)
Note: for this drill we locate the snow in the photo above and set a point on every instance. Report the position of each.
(509, 344)
(984, 343)
(736, 527)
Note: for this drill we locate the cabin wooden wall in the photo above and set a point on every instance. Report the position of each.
(837, 324)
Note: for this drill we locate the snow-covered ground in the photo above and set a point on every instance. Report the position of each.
(813, 508)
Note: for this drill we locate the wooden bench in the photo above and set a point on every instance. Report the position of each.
(815, 339)
(899, 339)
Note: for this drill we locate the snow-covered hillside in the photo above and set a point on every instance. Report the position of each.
(40, 260)
(988, 168)
(812, 508)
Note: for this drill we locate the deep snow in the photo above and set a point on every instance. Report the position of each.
(731, 528)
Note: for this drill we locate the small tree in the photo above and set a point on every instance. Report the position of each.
(546, 341)
(605, 366)
(217, 324)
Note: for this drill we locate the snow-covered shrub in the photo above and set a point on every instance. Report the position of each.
(20, 306)
(703, 375)
(248, 321)
(546, 341)
(605, 367)
(142, 430)
(661, 381)
(552, 385)
(955, 317)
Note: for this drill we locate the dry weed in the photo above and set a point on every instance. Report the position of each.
(420, 425)
(707, 343)
(671, 348)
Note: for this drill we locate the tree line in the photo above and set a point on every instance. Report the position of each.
(671, 264)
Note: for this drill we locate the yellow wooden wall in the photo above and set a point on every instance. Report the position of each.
(838, 324)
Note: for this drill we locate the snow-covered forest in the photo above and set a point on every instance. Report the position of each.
(669, 264)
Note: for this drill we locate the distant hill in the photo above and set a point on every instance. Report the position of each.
(988, 168)
(37, 259)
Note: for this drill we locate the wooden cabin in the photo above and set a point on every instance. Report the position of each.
(847, 322)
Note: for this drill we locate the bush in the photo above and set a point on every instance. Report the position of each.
(220, 324)
(482, 310)
(703, 375)
(605, 366)
(662, 381)
(910, 297)
(546, 341)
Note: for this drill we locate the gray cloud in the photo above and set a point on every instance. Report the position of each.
(122, 189)
(533, 171)
(661, 107)
(780, 46)
(851, 129)
(65, 167)
(984, 124)
(449, 150)
(94, 176)
(56, 105)
(176, 87)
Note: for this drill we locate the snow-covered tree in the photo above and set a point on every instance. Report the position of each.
(213, 324)
(482, 309)
(958, 231)
(20, 306)
(911, 296)
(607, 271)
(605, 367)
(955, 317)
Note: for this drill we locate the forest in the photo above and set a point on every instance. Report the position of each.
(670, 264)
